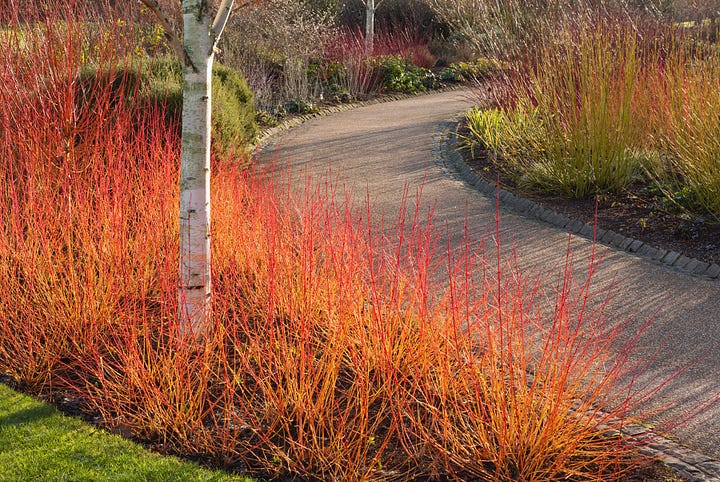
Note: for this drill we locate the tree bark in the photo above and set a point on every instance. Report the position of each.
(200, 36)
(196, 53)
(369, 26)
(195, 295)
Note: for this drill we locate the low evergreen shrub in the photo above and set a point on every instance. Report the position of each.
(158, 83)
(401, 75)
(233, 110)
(482, 68)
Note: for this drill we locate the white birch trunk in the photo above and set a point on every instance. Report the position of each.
(196, 53)
(195, 281)
(369, 26)
(200, 36)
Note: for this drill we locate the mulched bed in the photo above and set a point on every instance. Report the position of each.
(636, 213)
(655, 472)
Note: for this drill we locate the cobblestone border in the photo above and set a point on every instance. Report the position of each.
(448, 156)
(688, 464)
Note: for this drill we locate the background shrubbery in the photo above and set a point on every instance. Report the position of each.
(314, 51)
(157, 82)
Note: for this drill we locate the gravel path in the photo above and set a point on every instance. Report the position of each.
(379, 149)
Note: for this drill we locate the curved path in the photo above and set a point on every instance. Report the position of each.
(381, 148)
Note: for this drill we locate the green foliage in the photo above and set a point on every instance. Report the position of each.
(299, 106)
(125, 37)
(39, 443)
(401, 75)
(158, 82)
(507, 136)
(672, 197)
(332, 75)
(266, 119)
(489, 129)
(233, 111)
(151, 39)
(162, 83)
(482, 68)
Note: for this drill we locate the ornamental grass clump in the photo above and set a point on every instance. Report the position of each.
(337, 351)
(687, 103)
(588, 102)
(574, 121)
(605, 102)
(510, 138)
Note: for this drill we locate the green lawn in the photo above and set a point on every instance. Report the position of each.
(38, 443)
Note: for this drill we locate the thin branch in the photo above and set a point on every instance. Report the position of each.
(377, 3)
(221, 19)
(244, 4)
(169, 32)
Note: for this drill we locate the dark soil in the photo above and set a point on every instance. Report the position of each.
(638, 213)
(655, 472)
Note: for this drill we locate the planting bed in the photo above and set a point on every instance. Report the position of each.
(334, 353)
(616, 107)
(636, 213)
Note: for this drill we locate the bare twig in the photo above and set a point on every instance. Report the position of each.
(244, 4)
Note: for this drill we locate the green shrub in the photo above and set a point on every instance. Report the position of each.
(331, 75)
(482, 68)
(299, 106)
(266, 119)
(400, 75)
(158, 82)
(233, 111)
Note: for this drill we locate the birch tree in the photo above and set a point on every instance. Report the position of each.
(196, 50)
(370, 8)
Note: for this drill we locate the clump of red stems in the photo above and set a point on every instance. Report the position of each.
(410, 44)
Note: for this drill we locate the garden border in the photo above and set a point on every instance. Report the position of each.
(445, 152)
(688, 464)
